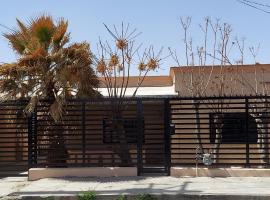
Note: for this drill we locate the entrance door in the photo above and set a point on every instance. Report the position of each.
(154, 147)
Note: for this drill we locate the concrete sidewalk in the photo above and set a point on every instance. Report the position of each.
(162, 187)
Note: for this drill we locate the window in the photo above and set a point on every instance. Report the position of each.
(130, 127)
(233, 128)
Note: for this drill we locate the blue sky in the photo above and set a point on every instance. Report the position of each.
(157, 19)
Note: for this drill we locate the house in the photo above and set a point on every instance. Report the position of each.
(167, 129)
(186, 81)
(152, 86)
(229, 80)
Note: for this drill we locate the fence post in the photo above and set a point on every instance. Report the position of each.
(35, 136)
(32, 139)
(83, 131)
(30, 143)
(247, 131)
(139, 136)
(167, 134)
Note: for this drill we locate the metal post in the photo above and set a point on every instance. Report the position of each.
(167, 135)
(32, 139)
(83, 131)
(35, 135)
(30, 142)
(139, 136)
(247, 132)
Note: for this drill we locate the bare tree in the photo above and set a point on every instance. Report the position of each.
(114, 63)
(216, 48)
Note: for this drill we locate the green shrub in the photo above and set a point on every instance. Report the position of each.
(48, 198)
(122, 197)
(145, 197)
(89, 195)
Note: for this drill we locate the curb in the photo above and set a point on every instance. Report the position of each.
(159, 197)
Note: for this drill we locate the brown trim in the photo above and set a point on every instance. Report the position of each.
(247, 68)
(149, 81)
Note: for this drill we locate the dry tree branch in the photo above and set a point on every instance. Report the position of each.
(254, 54)
(185, 25)
(241, 48)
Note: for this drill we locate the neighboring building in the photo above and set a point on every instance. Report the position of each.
(152, 86)
(235, 79)
(186, 81)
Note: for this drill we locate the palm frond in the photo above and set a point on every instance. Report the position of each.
(23, 28)
(43, 28)
(60, 32)
(36, 57)
(47, 66)
(17, 43)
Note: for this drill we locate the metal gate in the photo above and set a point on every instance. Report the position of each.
(154, 137)
(19, 147)
(90, 140)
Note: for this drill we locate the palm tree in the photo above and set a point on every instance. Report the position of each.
(47, 67)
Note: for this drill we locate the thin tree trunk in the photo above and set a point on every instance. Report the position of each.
(122, 148)
(262, 142)
(198, 125)
(218, 136)
(262, 130)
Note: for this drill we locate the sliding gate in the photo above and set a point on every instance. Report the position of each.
(23, 140)
(89, 139)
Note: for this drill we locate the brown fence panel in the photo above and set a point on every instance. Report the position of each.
(13, 139)
(234, 130)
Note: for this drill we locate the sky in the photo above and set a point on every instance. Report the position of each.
(158, 20)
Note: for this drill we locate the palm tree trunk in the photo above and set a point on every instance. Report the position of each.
(57, 154)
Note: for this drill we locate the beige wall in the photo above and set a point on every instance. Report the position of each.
(235, 80)
(219, 172)
(39, 173)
